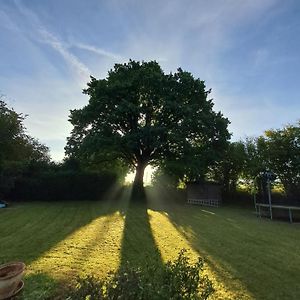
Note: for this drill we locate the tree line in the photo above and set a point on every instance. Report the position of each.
(138, 115)
(277, 151)
(28, 173)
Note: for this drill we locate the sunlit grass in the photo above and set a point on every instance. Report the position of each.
(169, 241)
(60, 241)
(91, 249)
(247, 258)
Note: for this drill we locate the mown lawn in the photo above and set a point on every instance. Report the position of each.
(247, 257)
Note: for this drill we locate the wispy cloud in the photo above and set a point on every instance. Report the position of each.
(47, 37)
(246, 51)
(50, 39)
(6, 22)
(98, 51)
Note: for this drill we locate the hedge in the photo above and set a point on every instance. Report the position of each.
(63, 185)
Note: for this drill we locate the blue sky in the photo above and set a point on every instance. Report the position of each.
(247, 51)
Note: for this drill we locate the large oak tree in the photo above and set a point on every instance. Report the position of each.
(142, 116)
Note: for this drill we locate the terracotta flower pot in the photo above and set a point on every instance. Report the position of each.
(10, 278)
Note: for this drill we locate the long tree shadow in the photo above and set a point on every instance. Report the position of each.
(138, 246)
(236, 246)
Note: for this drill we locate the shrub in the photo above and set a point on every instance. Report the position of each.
(63, 185)
(87, 288)
(174, 280)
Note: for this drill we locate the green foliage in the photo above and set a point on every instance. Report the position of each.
(283, 156)
(175, 280)
(256, 161)
(15, 144)
(279, 152)
(18, 149)
(161, 178)
(230, 168)
(63, 185)
(140, 116)
(11, 132)
(184, 281)
(88, 288)
(93, 166)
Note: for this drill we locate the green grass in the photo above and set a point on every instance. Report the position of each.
(247, 257)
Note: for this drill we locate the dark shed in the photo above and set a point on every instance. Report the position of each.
(204, 193)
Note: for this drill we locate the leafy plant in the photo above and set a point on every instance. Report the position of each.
(174, 280)
(185, 281)
(87, 288)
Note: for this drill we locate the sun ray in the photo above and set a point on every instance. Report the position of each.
(147, 176)
(93, 249)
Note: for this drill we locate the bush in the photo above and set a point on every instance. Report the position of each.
(63, 185)
(10, 171)
(174, 280)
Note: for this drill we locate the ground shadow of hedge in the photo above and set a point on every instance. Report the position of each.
(28, 230)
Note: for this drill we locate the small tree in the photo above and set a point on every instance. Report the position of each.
(142, 116)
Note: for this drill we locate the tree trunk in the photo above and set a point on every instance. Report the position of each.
(139, 175)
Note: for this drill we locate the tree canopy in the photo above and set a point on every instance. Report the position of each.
(141, 116)
(277, 151)
(283, 156)
(17, 148)
(230, 168)
(15, 143)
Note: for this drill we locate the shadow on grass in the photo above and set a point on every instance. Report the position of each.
(244, 252)
(138, 245)
(28, 230)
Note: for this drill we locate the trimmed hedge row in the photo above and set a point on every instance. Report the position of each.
(63, 185)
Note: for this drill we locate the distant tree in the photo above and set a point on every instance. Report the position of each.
(15, 143)
(283, 156)
(256, 157)
(18, 150)
(228, 170)
(11, 130)
(142, 116)
(279, 152)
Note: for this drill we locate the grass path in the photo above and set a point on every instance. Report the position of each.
(247, 258)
